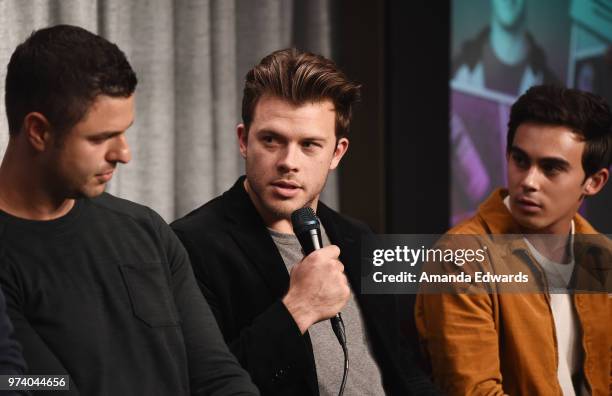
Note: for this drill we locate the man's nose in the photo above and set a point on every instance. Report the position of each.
(119, 150)
(531, 179)
(289, 157)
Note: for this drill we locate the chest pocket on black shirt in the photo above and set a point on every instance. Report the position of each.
(150, 296)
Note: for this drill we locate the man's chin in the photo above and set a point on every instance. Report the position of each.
(90, 192)
(284, 209)
(531, 223)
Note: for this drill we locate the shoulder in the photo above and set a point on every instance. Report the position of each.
(201, 218)
(113, 209)
(470, 233)
(473, 225)
(204, 232)
(119, 206)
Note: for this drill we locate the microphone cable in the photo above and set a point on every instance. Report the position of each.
(306, 227)
(339, 330)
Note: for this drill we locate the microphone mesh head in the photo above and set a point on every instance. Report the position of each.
(304, 219)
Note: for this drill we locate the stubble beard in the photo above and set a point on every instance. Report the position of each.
(277, 210)
(281, 210)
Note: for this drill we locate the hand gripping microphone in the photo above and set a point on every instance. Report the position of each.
(306, 228)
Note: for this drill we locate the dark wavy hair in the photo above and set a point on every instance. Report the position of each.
(59, 71)
(300, 77)
(586, 114)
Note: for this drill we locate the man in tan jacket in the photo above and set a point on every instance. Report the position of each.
(559, 150)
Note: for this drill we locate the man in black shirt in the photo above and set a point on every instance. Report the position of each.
(270, 301)
(97, 287)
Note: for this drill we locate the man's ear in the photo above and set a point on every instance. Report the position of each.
(37, 130)
(596, 182)
(243, 137)
(341, 147)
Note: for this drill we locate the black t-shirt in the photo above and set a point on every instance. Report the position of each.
(106, 294)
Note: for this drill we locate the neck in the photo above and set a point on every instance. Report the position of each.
(283, 226)
(553, 247)
(552, 242)
(23, 190)
(273, 221)
(510, 46)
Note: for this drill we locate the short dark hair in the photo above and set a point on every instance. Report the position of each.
(300, 77)
(586, 114)
(59, 71)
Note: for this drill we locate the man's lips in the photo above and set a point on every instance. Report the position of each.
(527, 204)
(286, 188)
(286, 184)
(105, 176)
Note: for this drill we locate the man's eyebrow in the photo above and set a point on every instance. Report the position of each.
(268, 131)
(315, 138)
(517, 150)
(554, 162)
(106, 134)
(549, 161)
(280, 136)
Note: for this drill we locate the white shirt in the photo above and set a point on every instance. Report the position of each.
(567, 327)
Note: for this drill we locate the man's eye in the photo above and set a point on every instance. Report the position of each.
(551, 169)
(268, 139)
(98, 139)
(520, 161)
(310, 145)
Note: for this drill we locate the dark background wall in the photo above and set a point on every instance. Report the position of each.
(396, 174)
(359, 49)
(418, 61)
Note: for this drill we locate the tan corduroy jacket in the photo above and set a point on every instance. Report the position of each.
(505, 343)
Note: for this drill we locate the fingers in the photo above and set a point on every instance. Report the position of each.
(337, 265)
(326, 253)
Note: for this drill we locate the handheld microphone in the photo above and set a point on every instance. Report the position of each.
(307, 229)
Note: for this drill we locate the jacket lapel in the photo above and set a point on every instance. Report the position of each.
(347, 241)
(251, 235)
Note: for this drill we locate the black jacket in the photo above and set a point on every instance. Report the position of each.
(243, 277)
